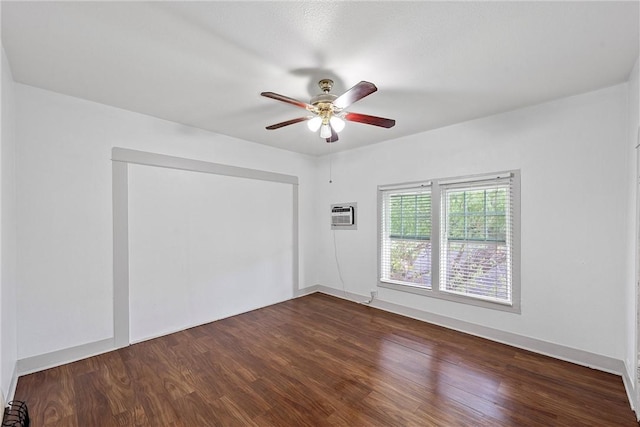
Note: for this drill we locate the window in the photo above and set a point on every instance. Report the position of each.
(475, 249)
(406, 245)
(464, 249)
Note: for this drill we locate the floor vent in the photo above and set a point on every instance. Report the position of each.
(16, 415)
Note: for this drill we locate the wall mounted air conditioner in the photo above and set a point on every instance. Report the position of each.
(343, 216)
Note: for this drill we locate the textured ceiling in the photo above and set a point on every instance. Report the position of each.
(204, 64)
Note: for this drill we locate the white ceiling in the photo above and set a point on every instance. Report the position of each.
(204, 64)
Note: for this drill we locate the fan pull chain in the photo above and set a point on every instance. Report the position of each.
(330, 165)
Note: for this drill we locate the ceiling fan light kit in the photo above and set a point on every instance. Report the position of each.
(328, 110)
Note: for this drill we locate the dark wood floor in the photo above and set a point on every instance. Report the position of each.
(318, 361)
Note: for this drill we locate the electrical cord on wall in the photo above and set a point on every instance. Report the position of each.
(344, 287)
(335, 246)
(335, 254)
(373, 296)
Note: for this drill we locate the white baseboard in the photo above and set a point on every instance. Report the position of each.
(629, 386)
(306, 291)
(41, 362)
(580, 357)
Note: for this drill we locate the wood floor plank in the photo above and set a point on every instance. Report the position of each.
(322, 361)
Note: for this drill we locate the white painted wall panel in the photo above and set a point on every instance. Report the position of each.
(204, 247)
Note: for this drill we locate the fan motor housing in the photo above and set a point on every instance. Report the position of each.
(323, 98)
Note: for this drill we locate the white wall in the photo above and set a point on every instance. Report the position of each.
(64, 207)
(633, 211)
(8, 313)
(572, 154)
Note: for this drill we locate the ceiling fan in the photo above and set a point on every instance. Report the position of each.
(328, 110)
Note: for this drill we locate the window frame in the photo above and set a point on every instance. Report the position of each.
(436, 210)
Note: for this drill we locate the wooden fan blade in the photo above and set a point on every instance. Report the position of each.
(288, 100)
(370, 120)
(334, 135)
(354, 94)
(288, 122)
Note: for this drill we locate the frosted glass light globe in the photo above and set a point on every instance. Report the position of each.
(314, 124)
(325, 131)
(337, 123)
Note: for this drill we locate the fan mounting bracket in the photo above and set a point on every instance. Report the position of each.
(326, 85)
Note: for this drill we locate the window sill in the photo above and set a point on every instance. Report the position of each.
(424, 291)
(405, 287)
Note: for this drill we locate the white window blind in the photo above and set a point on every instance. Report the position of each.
(405, 241)
(453, 238)
(476, 239)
